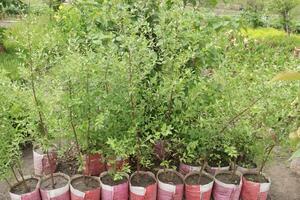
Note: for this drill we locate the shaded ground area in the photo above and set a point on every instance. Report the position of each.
(285, 184)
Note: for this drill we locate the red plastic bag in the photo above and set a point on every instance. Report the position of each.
(223, 191)
(34, 195)
(142, 193)
(62, 193)
(93, 194)
(117, 192)
(167, 191)
(198, 192)
(41, 163)
(255, 191)
(185, 169)
(93, 165)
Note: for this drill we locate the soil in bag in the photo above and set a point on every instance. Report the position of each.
(194, 179)
(170, 178)
(256, 178)
(59, 181)
(19, 189)
(142, 180)
(85, 184)
(108, 180)
(229, 178)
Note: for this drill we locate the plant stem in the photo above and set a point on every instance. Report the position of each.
(266, 158)
(201, 170)
(234, 168)
(10, 186)
(24, 181)
(14, 173)
(51, 173)
(72, 119)
(240, 114)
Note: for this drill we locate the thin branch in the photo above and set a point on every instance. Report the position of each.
(236, 117)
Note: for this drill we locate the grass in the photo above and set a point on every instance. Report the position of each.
(273, 37)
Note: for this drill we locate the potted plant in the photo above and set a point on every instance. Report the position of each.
(257, 184)
(218, 160)
(198, 183)
(12, 136)
(143, 184)
(189, 159)
(170, 182)
(44, 118)
(115, 182)
(228, 184)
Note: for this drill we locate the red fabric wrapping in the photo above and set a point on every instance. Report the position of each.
(252, 191)
(34, 195)
(150, 191)
(62, 193)
(117, 192)
(185, 169)
(93, 165)
(42, 165)
(166, 192)
(222, 191)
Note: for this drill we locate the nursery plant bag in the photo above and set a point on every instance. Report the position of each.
(34, 195)
(185, 169)
(116, 192)
(255, 191)
(143, 193)
(224, 191)
(198, 192)
(41, 163)
(214, 170)
(119, 162)
(93, 165)
(93, 194)
(168, 191)
(62, 193)
(244, 170)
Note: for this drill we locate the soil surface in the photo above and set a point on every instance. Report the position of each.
(108, 180)
(142, 180)
(194, 179)
(59, 182)
(20, 188)
(285, 183)
(85, 185)
(256, 178)
(170, 178)
(228, 178)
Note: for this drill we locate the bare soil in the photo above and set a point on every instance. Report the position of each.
(20, 188)
(170, 178)
(85, 184)
(194, 179)
(108, 180)
(229, 178)
(59, 182)
(142, 180)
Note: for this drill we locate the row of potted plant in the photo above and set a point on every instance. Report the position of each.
(167, 184)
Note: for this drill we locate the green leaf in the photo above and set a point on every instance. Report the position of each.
(287, 76)
(296, 155)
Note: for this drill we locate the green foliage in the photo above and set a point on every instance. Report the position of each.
(13, 125)
(12, 7)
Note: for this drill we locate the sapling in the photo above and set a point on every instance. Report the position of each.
(11, 137)
(118, 148)
(233, 155)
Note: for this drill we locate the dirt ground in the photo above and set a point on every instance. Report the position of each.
(285, 184)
